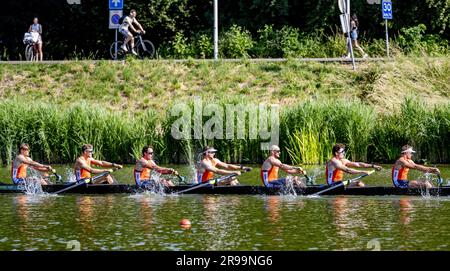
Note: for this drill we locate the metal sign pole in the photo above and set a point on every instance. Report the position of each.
(216, 30)
(349, 36)
(115, 52)
(387, 38)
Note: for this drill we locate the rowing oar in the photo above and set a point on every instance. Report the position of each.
(58, 177)
(439, 181)
(308, 179)
(347, 182)
(182, 179)
(86, 181)
(209, 182)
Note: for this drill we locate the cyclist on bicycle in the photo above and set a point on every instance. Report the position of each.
(36, 29)
(127, 24)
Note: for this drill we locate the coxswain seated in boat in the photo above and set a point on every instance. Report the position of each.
(335, 168)
(209, 165)
(401, 168)
(270, 167)
(143, 170)
(21, 163)
(84, 171)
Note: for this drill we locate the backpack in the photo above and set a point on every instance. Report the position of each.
(121, 19)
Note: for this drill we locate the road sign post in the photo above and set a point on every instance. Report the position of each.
(386, 10)
(344, 7)
(114, 16)
(115, 13)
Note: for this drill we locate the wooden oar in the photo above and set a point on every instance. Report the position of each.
(86, 181)
(347, 182)
(209, 182)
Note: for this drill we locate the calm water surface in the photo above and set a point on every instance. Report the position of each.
(224, 222)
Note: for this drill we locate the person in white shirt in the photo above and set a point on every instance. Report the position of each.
(125, 28)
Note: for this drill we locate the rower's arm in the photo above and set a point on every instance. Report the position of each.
(105, 164)
(419, 167)
(362, 165)
(85, 166)
(216, 170)
(286, 168)
(346, 169)
(228, 166)
(34, 164)
(162, 170)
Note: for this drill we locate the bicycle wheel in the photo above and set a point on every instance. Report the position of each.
(120, 52)
(29, 52)
(146, 49)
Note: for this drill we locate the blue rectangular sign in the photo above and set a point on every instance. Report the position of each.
(116, 4)
(386, 9)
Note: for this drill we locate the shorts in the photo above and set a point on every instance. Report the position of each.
(354, 35)
(125, 32)
(18, 181)
(277, 183)
(401, 183)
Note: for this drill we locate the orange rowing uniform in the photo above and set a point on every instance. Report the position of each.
(19, 174)
(400, 176)
(333, 176)
(143, 175)
(270, 176)
(206, 175)
(82, 174)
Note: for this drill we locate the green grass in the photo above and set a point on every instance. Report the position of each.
(136, 85)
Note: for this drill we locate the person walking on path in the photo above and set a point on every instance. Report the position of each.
(354, 24)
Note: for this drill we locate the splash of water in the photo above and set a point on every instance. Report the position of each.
(32, 186)
(289, 188)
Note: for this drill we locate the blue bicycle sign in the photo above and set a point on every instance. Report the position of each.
(386, 8)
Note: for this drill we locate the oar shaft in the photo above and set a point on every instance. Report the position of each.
(343, 183)
(208, 182)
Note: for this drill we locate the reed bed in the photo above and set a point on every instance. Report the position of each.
(308, 131)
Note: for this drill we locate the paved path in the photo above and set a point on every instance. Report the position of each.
(341, 60)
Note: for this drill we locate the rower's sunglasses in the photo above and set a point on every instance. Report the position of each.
(341, 152)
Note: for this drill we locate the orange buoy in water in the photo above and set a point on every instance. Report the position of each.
(185, 223)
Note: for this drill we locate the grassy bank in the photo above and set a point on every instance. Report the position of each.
(137, 86)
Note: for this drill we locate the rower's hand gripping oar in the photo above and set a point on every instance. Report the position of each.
(308, 179)
(347, 182)
(86, 181)
(58, 177)
(209, 182)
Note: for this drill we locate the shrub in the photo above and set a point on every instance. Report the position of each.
(236, 42)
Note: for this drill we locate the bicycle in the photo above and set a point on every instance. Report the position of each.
(30, 54)
(144, 48)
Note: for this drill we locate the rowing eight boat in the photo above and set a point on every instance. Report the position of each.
(238, 190)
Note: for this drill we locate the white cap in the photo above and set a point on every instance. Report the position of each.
(410, 149)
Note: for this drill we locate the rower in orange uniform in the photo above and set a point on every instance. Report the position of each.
(270, 167)
(401, 168)
(143, 170)
(336, 167)
(210, 165)
(21, 163)
(83, 169)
